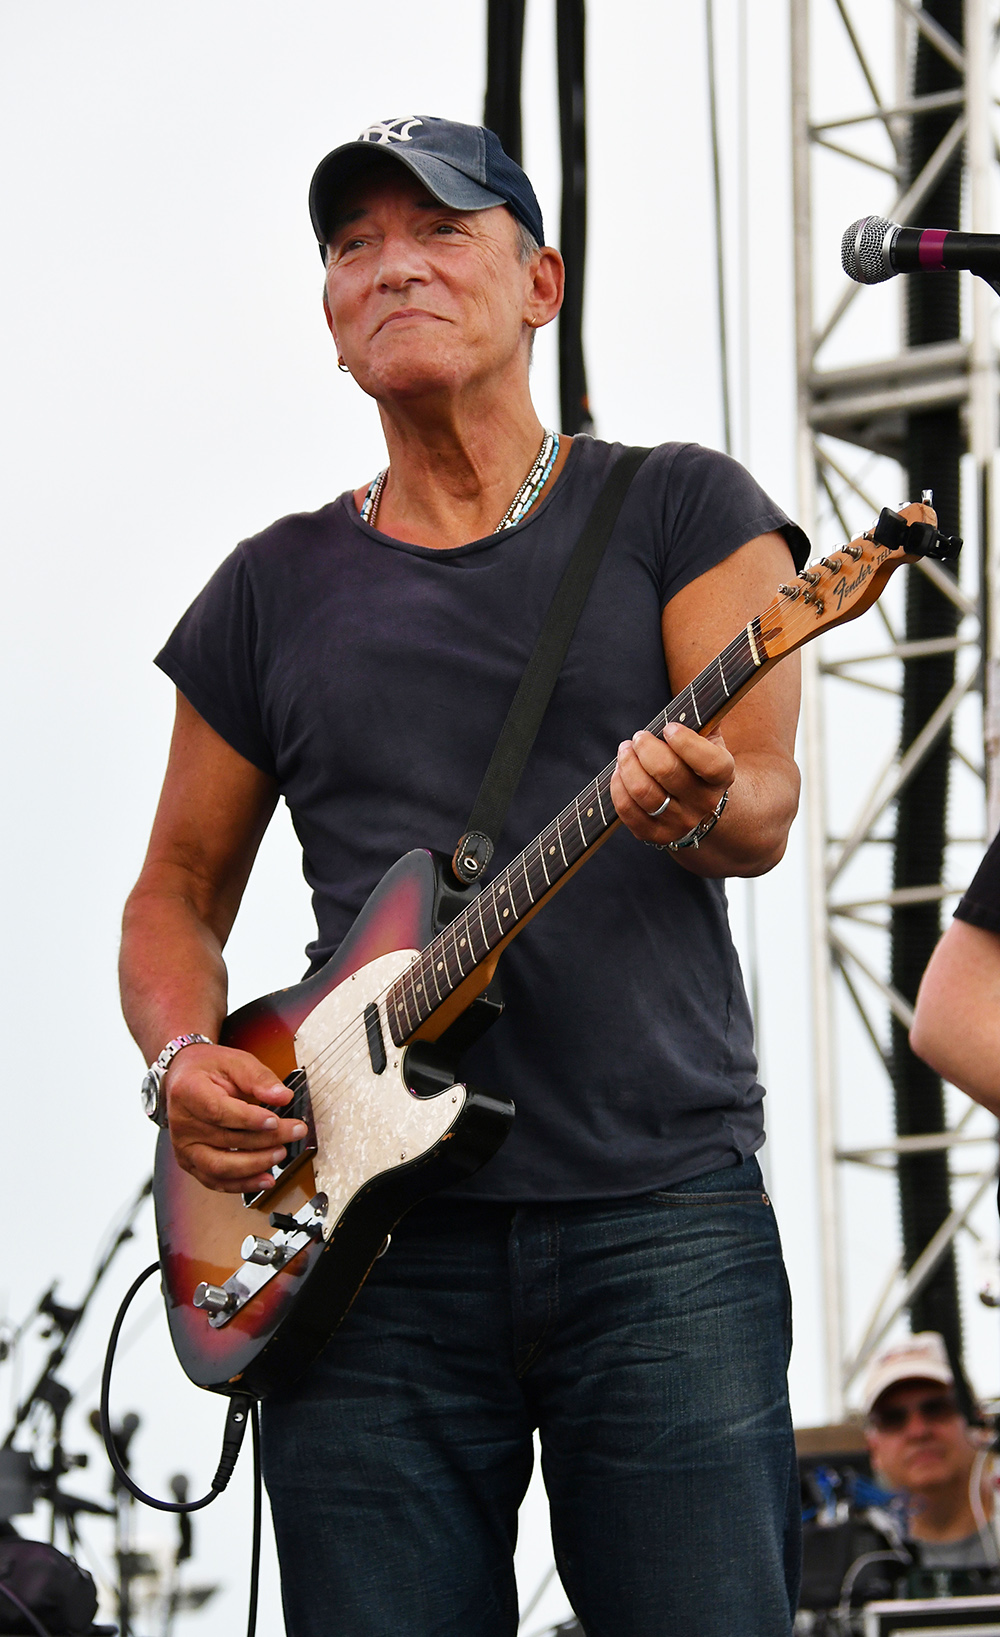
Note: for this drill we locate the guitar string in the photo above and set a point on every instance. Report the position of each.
(353, 1039)
(350, 1039)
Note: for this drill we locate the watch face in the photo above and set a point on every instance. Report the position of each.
(150, 1094)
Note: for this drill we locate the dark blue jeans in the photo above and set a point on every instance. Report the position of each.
(646, 1338)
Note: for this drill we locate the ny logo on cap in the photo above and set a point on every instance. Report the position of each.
(390, 130)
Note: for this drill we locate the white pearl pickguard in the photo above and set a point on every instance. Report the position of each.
(366, 1123)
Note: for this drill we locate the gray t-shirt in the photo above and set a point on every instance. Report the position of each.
(968, 1553)
(371, 678)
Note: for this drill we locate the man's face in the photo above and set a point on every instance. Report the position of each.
(917, 1438)
(420, 297)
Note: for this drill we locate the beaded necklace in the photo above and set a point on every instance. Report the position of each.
(520, 506)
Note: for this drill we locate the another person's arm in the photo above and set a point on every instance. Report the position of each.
(956, 1028)
(752, 755)
(213, 811)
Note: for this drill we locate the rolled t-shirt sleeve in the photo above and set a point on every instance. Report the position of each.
(211, 657)
(712, 506)
(981, 904)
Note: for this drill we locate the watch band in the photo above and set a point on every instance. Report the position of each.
(695, 837)
(153, 1103)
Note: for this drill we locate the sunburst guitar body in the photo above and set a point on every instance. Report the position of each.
(255, 1286)
(386, 1128)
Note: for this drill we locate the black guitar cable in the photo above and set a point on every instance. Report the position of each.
(242, 1409)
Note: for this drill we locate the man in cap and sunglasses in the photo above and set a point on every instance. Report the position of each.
(922, 1447)
(612, 1276)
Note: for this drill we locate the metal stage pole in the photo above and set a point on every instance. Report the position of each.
(891, 147)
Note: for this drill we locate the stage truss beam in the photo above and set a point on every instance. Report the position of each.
(864, 403)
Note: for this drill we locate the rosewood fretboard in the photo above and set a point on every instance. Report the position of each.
(497, 911)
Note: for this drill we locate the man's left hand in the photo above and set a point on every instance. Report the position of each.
(694, 770)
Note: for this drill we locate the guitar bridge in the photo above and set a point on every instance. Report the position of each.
(300, 1108)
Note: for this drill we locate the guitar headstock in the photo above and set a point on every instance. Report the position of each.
(839, 587)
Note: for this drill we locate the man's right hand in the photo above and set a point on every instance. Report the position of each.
(222, 1108)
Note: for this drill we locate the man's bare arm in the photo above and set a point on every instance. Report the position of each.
(957, 1024)
(753, 754)
(212, 814)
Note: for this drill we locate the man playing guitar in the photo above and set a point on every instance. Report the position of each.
(612, 1276)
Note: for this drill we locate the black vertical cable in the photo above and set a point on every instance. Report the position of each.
(935, 442)
(720, 257)
(570, 30)
(504, 50)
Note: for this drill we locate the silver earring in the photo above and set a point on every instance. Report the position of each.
(342, 366)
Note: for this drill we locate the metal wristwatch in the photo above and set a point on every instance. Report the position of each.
(153, 1104)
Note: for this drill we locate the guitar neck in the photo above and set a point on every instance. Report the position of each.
(535, 874)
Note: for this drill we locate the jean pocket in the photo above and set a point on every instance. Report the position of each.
(741, 1196)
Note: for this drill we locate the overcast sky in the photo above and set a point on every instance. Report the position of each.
(171, 388)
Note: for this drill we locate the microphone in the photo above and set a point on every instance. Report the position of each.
(873, 249)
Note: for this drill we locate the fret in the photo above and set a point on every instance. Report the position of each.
(508, 909)
(414, 1011)
(454, 950)
(441, 962)
(514, 882)
(524, 867)
(399, 1018)
(740, 661)
(490, 895)
(579, 820)
(722, 674)
(682, 715)
(460, 938)
(432, 963)
(600, 803)
(561, 847)
(482, 924)
(541, 859)
(469, 921)
(594, 825)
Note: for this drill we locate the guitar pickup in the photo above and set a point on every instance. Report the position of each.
(300, 1108)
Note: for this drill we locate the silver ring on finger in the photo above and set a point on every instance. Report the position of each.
(665, 803)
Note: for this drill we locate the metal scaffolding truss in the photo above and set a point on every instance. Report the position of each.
(850, 126)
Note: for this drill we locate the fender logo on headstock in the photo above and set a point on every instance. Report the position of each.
(846, 588)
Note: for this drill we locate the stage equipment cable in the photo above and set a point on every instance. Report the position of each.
(574, 401)
(242, 1409)
(504, 54)
(502, 114)
(720, 263)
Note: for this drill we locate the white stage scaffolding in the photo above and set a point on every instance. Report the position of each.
(851, 116)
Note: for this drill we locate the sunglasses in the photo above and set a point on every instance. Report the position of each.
(894, 1417)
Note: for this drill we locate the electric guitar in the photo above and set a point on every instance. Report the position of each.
(255, 1285)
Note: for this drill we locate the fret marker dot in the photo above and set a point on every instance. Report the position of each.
(399, 1005)
(590, 812)
(506, 911)
(440, 966)
(419, 987)
(501, 892)
(461, 943)
(551, 851)
(682, 716)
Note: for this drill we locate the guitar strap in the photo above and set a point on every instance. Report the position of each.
(520, 729)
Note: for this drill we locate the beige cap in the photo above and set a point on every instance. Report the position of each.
(914, 1358)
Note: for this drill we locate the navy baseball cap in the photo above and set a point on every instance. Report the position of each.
(462, 165)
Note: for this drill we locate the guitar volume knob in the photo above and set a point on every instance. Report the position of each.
(213, 1299)
(263, 1251)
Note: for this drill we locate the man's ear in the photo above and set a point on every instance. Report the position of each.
(329, 317)
(548, 278)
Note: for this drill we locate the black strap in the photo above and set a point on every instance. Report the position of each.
(475, 849)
